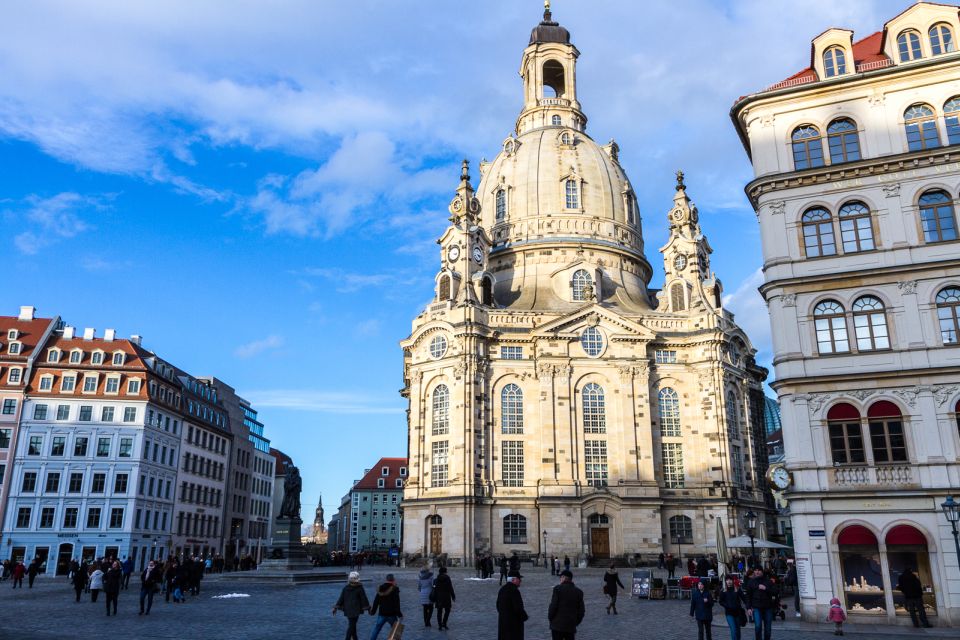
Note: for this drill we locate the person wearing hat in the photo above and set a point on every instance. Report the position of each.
(510, 612)
(701, 610)
(566, 608)
(387, 602)
(353, 602)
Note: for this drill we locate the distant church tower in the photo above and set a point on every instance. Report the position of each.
(557, 404)
(319, 528)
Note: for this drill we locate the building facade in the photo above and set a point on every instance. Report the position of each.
(375, 500)
(856, 188)
(557, 403)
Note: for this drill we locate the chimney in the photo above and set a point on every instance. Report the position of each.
(26, 313)
(89, 333)
(135, 339)
(68, 332)
(109, 335)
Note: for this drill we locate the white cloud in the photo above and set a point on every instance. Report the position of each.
(751, 313)
(257, 347)
(40, 222)
(322, 401)
(350, 281)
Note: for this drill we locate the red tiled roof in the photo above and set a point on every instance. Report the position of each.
(283, 461)
(869, 49)
(30, 332)
(369, 480)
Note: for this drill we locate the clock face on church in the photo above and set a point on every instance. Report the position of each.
(680, 262)
(477, 255)
(453, 253)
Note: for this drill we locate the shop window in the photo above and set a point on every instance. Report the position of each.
(907, 549)
(861, 571)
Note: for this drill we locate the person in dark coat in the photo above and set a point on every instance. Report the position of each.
(170, 578)
(515, 563)
(503, 569)
(701, 609)
(762, 597)
(510, 612)
(566, 608)
(32, 572)
(149, 584)
(18, 571)
(671, 566)
(443, 596)
(387, 602)
(181, 582)
(566, 563)
(353, 602)
(112, 580)
(611, 580)
(733, 603)
(909, 585)
(79, 579)
(127, 568)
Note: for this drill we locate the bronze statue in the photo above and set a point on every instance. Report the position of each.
(290, 507)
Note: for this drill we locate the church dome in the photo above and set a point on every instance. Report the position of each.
(549, 31)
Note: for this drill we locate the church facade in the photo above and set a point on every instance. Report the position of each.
(557, 403)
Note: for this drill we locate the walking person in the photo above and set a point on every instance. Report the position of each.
(32, 572)
(671, 566)
(790, 580)
(503, 569)
(701, 609)
(127, 568)
(566, 563)
(909, 585)
(149, 585)
(353, 602)
(96, 583)
(566, 609)
(734, 607)
(510, 612)
(761, 597)
(443, 597)
(611, 580)
(18, 571)
(425, 588)
(79, 580)
(660, 561)
(837, 616)
(387, 603)
(112, 580)
(169, 578)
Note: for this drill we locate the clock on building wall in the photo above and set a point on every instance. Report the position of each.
(453, 253)
(779, 477)
(680, 262)
(477, 255)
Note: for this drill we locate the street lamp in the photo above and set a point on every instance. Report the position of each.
(751, 519)
(545, 548)
(951, 509)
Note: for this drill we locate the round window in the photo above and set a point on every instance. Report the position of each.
(592, 341)
(438, 347)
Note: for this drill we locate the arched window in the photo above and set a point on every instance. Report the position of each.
(818, 239)
(440, 411)
(834, 62)
(435, 520)
(593, 409)
(514, 529)
(951, 118)
(870, 324)
(886, 432)
(555, 121)
(807, 147)
(443, 290)
(921, 127)
(856, 228)
(677, 299)
(941, 39)
(681, 530)
(501, 202)
(846, 437)
(628, 202)
(948, 314)
(581, 280)
(592, 341)
(668, 405)
(733, 416)
(599, 519)
(908, 43)
(486, 291)
(554, 85)
(831, 327)
(843, 141)
(572, 194)
(937, 217)
(511, 409)
(565, 138)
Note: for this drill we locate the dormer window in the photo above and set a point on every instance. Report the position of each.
(403, 472)
(399, 483)
(68, 384)
(118, 358)
(97, 357)
(13, 334)
(555, 121)
(501, 204)
(384, 471)
(46, 383)
(90, 384)
(76, 356)
(566, 138)
(572, 193)
(908, 44)
(380, 483)
(941, 39)
(53, 355)
(834, 62)
(14, 376)
(581, 280)
(15, 348)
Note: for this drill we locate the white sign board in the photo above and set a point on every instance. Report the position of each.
(805, 577)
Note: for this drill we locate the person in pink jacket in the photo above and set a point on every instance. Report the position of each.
(837, 615)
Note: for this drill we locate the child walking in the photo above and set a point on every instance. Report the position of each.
(837, 615)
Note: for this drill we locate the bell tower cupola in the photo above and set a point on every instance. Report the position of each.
(548, 70)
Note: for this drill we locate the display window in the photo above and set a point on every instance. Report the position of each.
(861, 571)
(907, 549)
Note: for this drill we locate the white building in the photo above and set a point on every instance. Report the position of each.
(856, 190)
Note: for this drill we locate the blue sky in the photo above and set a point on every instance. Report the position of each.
(257, 189)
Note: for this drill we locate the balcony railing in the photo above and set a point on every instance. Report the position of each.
(554, 102)
(893, 475)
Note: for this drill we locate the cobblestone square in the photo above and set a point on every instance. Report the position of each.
(48, 611)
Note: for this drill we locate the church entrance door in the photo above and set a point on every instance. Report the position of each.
(436, 538)
(600, 543)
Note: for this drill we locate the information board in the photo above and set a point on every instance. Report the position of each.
(641, 583)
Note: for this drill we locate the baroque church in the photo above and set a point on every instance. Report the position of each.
(558, 404)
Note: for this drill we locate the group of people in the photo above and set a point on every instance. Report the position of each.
(353, 603)
(16, 571)
(757, 599)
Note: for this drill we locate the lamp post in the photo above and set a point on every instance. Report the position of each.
(751, 520)
(951, 509)
(545, 561)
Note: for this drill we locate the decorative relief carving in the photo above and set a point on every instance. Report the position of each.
(907, 287)
(766, 121)
(816, 401)
(861, 394)
(943, 393)
(417, 377)
(778, 207)
(545, 370)
(891, 190)
(788, 299)
(460, 368)
(908, 395)
(877, 100)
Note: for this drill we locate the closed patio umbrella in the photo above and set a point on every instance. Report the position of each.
(722, 554)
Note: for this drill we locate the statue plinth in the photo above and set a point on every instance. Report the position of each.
(287, 551)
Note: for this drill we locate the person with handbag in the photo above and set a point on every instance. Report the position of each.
(701, 609)
(386, 606)
(149, 585)
(733, 603)
(443, 597)
(425, 588)
(353, 602)
(611, 580)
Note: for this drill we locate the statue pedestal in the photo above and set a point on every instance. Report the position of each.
(286, 562)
